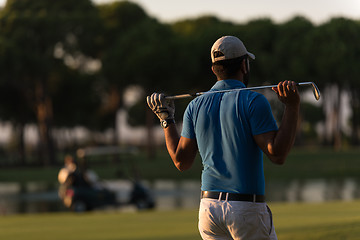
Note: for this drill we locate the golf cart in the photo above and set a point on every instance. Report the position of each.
(80, 189)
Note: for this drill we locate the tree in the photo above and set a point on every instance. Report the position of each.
(31, 32)
(196, 37)
(76, 101)
(334, 54)
(291, 53)
(137, 50)
(259, 38)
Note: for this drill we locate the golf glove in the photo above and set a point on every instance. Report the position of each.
(163, 108)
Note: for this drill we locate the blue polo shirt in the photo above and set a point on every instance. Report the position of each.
(223, 125)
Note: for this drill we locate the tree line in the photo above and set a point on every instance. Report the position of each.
(64, 64)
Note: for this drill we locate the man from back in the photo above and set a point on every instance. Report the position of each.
(231, 131)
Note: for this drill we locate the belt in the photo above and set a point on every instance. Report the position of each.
(233, 196)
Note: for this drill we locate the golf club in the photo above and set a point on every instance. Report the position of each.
(316, 91)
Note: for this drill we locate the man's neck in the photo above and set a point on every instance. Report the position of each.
(232, 78)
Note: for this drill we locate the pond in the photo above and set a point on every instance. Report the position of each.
(39, 197)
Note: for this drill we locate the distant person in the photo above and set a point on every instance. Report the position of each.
(66, 175)
(80, 188)
(68, 168)
(231, 131)
(72, 174)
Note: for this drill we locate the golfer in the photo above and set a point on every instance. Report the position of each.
(231, 131)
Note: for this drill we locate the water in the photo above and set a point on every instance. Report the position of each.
(315, 190)
(39, 197)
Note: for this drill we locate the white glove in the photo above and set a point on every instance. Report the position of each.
(163, 108)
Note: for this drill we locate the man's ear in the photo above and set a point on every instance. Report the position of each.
(218, 68)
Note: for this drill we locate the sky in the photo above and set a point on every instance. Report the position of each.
(241, 11)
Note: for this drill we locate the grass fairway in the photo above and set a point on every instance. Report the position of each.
(327, 221)
(321, 221)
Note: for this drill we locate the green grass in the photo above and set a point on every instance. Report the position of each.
(325, 221)
(316, 163)
(301, 164)
(332, 220)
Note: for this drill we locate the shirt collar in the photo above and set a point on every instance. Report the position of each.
(227, 84)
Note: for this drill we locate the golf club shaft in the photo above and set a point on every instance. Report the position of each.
(315, 91)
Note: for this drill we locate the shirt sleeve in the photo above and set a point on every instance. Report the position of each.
(188, 130)
(261, 117)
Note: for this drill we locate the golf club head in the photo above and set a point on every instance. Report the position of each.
(316, 91)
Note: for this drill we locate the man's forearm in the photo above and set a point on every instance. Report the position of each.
(285, 137)
(181, 150)
(172, 138)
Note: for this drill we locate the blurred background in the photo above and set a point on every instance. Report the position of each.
(74, 76)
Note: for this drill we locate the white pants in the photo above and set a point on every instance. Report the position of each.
(228, 220)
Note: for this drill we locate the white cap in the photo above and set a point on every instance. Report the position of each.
(228, 47)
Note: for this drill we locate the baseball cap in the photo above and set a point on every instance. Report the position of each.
(228, 47)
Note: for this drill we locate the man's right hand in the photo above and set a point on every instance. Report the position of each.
(288, 93)
(164, 109)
